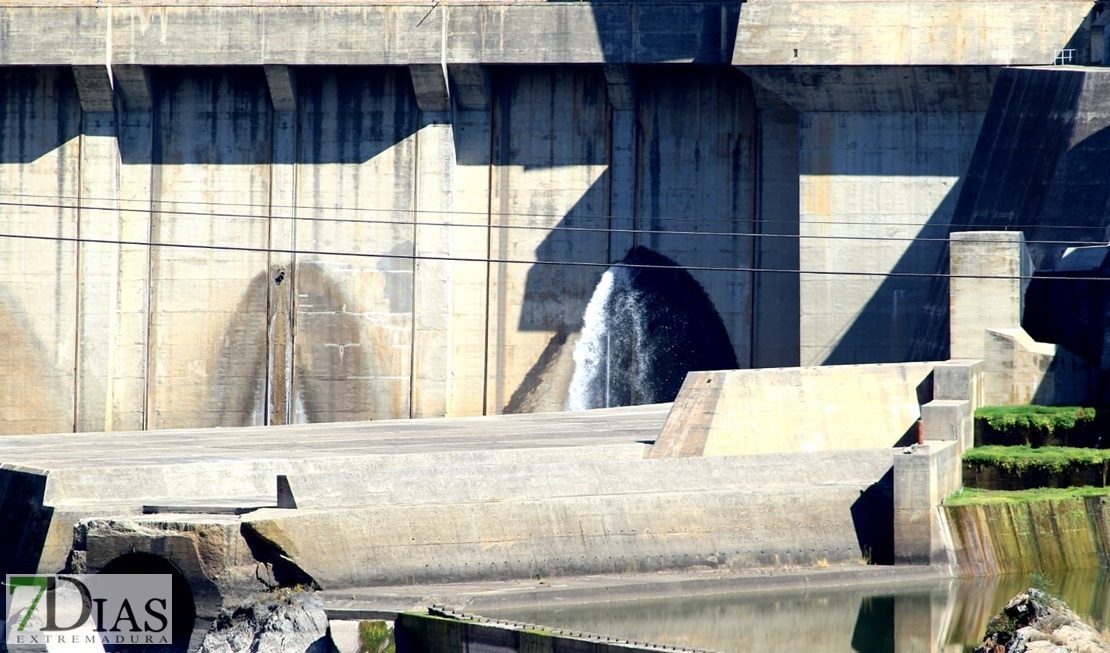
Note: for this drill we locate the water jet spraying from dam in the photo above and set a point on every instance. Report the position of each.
(647, 324)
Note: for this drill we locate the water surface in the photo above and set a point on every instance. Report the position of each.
(948, 616)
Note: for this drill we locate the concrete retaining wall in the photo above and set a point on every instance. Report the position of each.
(412, 525)
(1030, 536)
(832, 408)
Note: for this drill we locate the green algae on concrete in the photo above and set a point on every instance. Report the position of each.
(1028, 531)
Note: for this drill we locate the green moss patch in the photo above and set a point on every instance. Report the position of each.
(996, 467)
(1040, 425)
(974, 496)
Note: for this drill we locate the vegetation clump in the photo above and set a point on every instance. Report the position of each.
(1039, 425)
(375, 637)
(1018, 467)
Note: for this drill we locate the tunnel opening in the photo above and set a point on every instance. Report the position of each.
(183, 609)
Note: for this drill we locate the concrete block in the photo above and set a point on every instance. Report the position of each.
(429, 82)
(989, 271)
(133, 85)
(959, 379)
(283, 90)
(986, 33)
(949, 419)
(94, 87)
(922, 479)
(470, 86)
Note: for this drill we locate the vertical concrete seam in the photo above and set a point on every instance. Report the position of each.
(77, 273)
(269, 362)
(415, 215)
(489, 251)
(155, 181)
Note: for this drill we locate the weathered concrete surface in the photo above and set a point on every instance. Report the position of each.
(877, 145)
(1045, 133)
(51, 482)
(247, 261)
(745, 412)
(870, 32)
(1036, 535)
(233, 33)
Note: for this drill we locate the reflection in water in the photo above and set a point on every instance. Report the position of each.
(943, 616)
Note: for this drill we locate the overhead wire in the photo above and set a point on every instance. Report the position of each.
(575, 215)
(82, 205)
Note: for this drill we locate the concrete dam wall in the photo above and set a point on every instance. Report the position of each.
(330, 264)
(241, 214)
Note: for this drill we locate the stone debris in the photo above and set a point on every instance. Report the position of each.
(279, 623)
(1036, 622)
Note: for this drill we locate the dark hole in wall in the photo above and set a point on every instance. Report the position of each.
(183, 608)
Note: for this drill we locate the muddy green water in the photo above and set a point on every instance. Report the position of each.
(944, 616)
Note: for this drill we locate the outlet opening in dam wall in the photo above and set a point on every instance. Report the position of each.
(184, 608)
(644, 329)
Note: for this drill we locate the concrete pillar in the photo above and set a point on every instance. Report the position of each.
(468, 242)
(113, 262)
(990, 271)
(775, 315)
(429, 82)
(434, 275)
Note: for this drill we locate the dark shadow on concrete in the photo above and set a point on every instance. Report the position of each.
(702, 32)
(350, 114)
(873, 518)
(21, 541)
(1024, 174)
(39, 112)
(283, 571)
(216, 116)
(874, 631)
(910, 313)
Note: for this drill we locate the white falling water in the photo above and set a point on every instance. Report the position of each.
(592, 349)
(606, 357)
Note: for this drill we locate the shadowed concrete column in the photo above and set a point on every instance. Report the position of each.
(775, 338)
(622, 161)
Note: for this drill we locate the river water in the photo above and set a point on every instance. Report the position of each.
(943, 616)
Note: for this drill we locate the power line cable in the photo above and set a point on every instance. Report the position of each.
(490, 260)
(506, 214)
(555, 228)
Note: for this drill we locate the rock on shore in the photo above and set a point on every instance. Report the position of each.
(294, 623)
(1036, 622)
